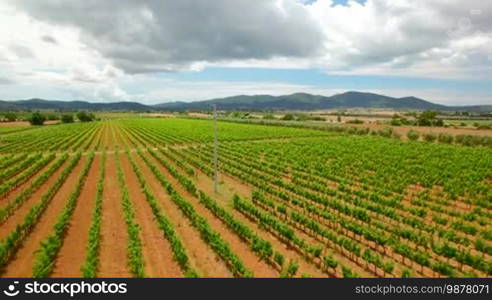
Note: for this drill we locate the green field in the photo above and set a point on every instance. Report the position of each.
(291, 202)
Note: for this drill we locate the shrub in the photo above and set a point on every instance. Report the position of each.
(279, 259)
(358, 130)
(413, 135)
(484, 127)
(11, 117)
(429, 118)
(37, 119)
(348, 273)
(52, 117)
(459, 139)
(477, 140)
(85, 117)
(67, 118)
(363, 131)
(406, 274)
(430, 137)
(355, 121)
(302, 117)
(395, 122)
(487, 141)
(288, 117)
(352, 130)
(291, 270)
(471, 140)
(445, 138)
(386, 132)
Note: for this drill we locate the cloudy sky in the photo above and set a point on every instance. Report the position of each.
(169, 50)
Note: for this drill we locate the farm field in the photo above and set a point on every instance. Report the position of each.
(135, 198)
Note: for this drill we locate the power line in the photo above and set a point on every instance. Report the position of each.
(216, 152)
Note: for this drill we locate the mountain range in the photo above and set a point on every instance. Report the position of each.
(298, 101)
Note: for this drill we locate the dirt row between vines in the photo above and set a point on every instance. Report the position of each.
(202, 257)
(238, 246)
(114, 237)
(157, 254)
(72, 254)
(230, 186)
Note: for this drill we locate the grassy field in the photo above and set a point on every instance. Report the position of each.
(134, 197)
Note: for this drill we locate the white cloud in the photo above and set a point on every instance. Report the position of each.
(109, 50)
(405, 37)
(147, 36)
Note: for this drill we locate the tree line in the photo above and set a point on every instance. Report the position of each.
(38, 118)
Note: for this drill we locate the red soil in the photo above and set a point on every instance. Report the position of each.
(72, 254)
(259, 267)
(157, 253)
(227, 189)
(202, 257)
(25, 123)
(113, 234)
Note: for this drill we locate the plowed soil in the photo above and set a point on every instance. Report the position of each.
(113, 253)
(158, 257)
(72, 254)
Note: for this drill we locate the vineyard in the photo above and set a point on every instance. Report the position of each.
(135, 198)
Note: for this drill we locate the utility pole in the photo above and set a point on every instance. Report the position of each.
(216, 154)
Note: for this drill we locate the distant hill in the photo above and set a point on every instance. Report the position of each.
(303, 101)
(298, 101)
(40, 104)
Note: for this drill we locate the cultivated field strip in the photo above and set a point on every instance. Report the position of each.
(15, 200)
(135, 197)
(436, 263)
(18, 246)
(281, 190)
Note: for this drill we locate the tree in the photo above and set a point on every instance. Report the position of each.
(288, 117)
(413, 135)
(445, 138)
(67, 118)
(85, 117)
(430, 137)
(429, 118)
(11, 117)
(37, 119)
(302, 117)
(52, 117)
